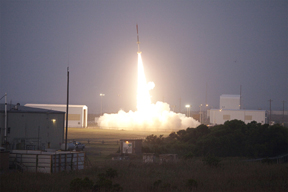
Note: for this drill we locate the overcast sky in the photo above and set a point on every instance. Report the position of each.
(185, 46)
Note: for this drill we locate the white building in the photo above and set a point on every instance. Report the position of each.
(230, 102)
(230, 110)
(77, 114)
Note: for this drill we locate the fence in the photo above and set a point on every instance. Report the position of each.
(46, 162)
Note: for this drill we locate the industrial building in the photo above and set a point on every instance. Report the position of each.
(27, 128)
(230, 110)
(77, 114)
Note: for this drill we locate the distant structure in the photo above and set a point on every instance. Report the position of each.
(31, 128)
(131, 146)
(77, 116)
(230, 110)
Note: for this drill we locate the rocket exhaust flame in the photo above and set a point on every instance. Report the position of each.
(148, 116)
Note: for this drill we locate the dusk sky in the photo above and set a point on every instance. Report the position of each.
(185, 46)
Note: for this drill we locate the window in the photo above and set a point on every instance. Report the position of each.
(226, 117)
(248, 117)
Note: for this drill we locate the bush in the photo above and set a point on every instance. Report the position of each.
(117, 187)
(157, 183)
(188, 155)
(111, 173)
(267, 161)
(105, 183)
(211, 161)
(191, 184)
(78, 184)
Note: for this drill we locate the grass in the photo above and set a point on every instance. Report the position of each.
(232, 174)
(103, 142)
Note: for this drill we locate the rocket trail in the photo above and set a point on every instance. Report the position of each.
(138, 42)
(148, 116)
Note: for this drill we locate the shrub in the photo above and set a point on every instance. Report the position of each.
(267, 161)
(111, 173)
(211, 161)
(157, 183)
(105, 183)
(78, 184)
(188, 155)
(191, 184)
(117, 188)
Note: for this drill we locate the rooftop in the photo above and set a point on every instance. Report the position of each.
(12, 108)
(227, 95)
(53, 105)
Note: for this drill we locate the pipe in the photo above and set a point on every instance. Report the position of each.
(5, 132)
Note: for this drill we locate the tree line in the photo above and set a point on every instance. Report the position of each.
(232, 139)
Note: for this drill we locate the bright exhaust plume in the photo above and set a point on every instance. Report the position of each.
(148, 116)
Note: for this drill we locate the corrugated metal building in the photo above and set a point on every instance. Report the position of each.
(77, 114)
(31, 128)
(230, 110)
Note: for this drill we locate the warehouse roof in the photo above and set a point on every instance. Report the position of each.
(12, 108)
(52, 105)
(233, 96)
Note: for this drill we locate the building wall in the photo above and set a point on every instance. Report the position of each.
(77, 114)
(220, 116)
(33, 130)
(230, 102)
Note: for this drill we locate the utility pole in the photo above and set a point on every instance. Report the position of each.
(5, 136)
(101, 95)
(206, 96)
(67, 106)
(270, 116)
(5, 121)
(240, 96)
(180, 105)
(283, 111)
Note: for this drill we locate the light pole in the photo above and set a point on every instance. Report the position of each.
(101, 95)
(188, 110)
(200, 114)
(206, 114)
(5, 120)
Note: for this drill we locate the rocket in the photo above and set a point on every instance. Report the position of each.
(138, 42)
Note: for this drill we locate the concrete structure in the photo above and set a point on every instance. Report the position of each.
(149, 157)
(31, 128)
(77, 114)
(230, 110)
(167, 158)
(130, 146)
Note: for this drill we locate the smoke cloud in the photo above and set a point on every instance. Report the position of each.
(159, 117)
(148, 116)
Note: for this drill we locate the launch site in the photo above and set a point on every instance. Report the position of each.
(199, 104)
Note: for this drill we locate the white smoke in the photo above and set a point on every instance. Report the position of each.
(159, 117)
(148, 116)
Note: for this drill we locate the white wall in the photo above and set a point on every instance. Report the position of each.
(77, 114)
(230, 102)
(220, 116)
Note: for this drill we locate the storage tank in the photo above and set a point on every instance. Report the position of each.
(70, 146)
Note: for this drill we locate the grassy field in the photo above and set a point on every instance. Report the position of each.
(232, 174)
(103, 142)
